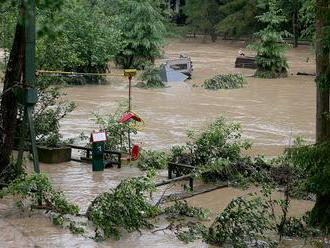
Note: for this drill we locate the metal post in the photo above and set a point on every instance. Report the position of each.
(129, 110)
(33, 140)
(22, 139)
(129, 93)
(30, 68)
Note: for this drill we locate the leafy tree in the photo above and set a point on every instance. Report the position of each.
(291, 10)
(203, 16)
(307, 15)
(270, 58)
(142, 32)
(238, 17)
(83, 41)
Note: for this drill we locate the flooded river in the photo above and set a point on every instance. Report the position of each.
(271, 113)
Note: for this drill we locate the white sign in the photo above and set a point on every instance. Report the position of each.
(99, 137)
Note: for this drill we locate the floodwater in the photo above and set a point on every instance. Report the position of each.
(271, 113)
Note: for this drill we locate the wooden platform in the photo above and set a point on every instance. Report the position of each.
(245, 62)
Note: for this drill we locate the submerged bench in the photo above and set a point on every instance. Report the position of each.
(245, 62)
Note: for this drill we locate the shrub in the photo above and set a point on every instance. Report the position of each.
(152, 160)
(219, 140)
(229, 81)
(151, 78)
(117, 132)
(49, 111)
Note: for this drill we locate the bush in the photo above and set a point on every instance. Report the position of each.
(152, 160)
(125, 207)
(229, 81)
(49, 111)
(151, 78)
(219, 140)
(117, 132)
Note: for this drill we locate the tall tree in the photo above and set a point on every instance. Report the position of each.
(291, 10)
(271, 61)
(143, 32)
(238, 17)
(203, 16)
(322, 70)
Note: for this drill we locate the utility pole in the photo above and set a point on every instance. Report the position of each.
(28, 96)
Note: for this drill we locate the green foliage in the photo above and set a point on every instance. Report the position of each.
(152, 160)
(307, 15)
(117, 132)
(227, 81)
(142, 32)
(218, 140)
(84, 40)
(314, 160)
(39, 192)
(191, 232)
(181, 208)
(49, 111)
(270, 58)
(125, 207)
(238, 17)
(203, 16)
(151, 78)
(76, 229)
(299, 227)
(244, 222)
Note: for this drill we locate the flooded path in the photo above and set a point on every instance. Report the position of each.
(271, 113)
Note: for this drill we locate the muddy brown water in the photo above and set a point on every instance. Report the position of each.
(271, 113)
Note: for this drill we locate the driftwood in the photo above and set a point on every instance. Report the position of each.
(306, 74)
(245, 62)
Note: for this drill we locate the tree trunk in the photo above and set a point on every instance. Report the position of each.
(322, 66)
(320, 214)
(8, 108)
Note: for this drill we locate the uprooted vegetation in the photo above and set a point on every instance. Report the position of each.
(216, 155)
(226, 81)
(150, 78)
(125, 207)
(152, 160)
